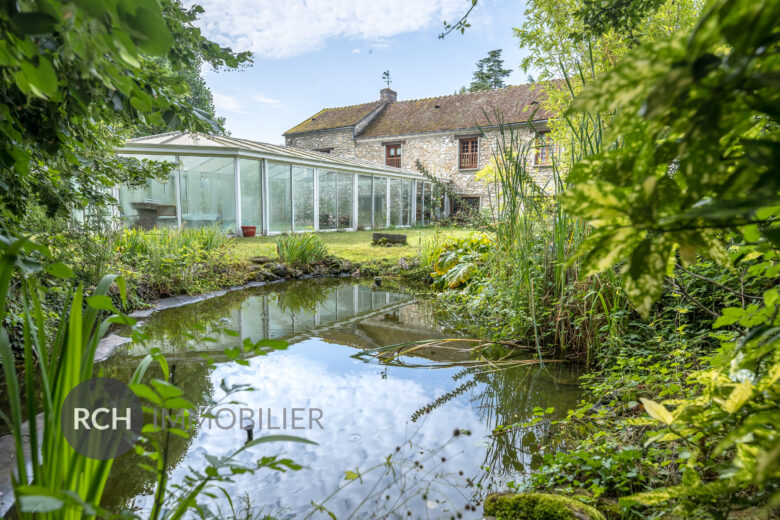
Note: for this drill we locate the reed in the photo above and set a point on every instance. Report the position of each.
(534, 267)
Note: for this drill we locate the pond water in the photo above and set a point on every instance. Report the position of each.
(358, 411)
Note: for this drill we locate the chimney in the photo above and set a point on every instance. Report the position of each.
(388, 95)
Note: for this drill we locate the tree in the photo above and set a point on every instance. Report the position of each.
(575, 42)
(76, 79)
(199, 96)
(490, 73)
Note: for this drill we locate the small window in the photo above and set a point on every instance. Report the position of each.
(545, 150)
(469, 153)
(465, 204)
(323, 150)
(393, 155)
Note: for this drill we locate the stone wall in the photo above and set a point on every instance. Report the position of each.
(340, 139)
(438, 153)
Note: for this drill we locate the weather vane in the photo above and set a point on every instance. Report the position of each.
(386, 78)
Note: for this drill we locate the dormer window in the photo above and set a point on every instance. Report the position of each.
(393, 155)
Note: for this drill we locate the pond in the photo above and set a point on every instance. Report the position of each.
(359, 411)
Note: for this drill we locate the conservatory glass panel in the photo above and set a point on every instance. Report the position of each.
(406, 202)
(303, 197)
(364, 202)
(153, 205)
(395, 202)
(345, 200)
(251, 193)
(208, 192)
(328, 200)
(419, 208)
(380, 202)
(428, 211)
(279, 197)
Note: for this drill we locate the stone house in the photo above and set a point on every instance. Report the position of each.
(452, 136)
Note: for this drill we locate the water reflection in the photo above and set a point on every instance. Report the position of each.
(370, 411)
(289, 312)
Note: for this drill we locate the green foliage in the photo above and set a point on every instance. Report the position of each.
(564, 50)
(538, 506)
(79, 78)
(604, 455)
(61, 483)
(694, 173)
(171, 261)
(457, 261)
(301, 248)
(618, 15)
(687, 103)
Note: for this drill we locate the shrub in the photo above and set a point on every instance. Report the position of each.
(174, 261)
(457, 261)
(303, 248)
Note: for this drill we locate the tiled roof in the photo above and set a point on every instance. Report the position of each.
(515, 104)
(160, 143)
(335, 118)
(459, 111)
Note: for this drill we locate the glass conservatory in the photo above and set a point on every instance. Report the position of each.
(230, 183)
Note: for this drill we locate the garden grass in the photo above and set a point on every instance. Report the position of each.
(355, 246)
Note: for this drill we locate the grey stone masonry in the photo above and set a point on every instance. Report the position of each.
(438, 152)
(429, 131)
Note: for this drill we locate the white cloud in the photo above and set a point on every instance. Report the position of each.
(355, 51)
(364, 418)
(259, 98)
(273, 29)
(227, 103)
(232, 104)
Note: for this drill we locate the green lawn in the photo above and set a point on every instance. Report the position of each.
(354, 245)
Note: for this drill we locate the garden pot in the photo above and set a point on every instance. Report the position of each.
(248, 231)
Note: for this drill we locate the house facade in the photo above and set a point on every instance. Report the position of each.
(452, 137)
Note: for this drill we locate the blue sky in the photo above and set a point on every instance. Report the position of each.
(312, 54)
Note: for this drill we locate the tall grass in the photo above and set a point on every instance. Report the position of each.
(429, 250)
(134, 243)
(534, 268)
(301, 248)
(172, 261)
